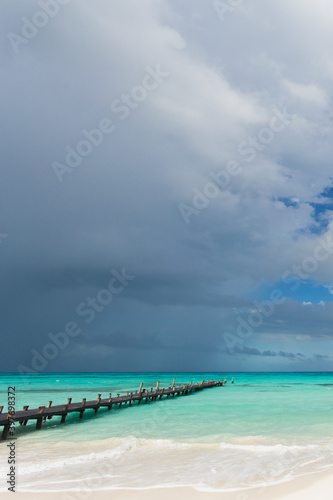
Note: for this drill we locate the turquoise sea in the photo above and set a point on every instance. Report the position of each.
(265, 428)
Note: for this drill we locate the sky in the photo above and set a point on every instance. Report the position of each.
(166, 185)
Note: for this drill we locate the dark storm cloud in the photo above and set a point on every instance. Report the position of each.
(152, 341)
(250, 351)
(254, 352)
(184, 102)
(123, 340)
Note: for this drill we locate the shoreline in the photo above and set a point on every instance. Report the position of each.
(300, 488)
(260, 436)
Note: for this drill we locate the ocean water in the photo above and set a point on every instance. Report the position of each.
(265, 428)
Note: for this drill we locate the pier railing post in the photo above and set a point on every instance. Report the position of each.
(49, 404)
(82, 404)
(98, 400)
(141, 385)
(110, 401)
(173, 383)
(40, 419)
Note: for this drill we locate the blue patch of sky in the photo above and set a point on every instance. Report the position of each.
(321, 211)
(289, 202)
(307, 291)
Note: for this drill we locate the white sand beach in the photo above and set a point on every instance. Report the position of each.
(310, 487)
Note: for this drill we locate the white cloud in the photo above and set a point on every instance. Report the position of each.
(310, 93)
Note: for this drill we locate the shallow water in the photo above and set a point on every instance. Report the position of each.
(264, 428)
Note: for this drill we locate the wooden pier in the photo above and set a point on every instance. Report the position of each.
(142, 395)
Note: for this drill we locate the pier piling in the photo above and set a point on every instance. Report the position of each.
(63, 417)
(5, 431)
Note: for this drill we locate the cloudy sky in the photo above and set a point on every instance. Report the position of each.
(166, 190)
